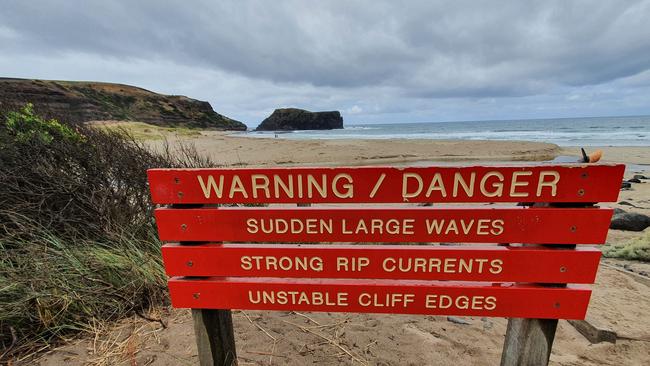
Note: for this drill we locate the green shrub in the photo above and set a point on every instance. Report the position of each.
(25, 126)
(77, 234)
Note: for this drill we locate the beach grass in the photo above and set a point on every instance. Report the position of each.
(635, 249)
(52, 288)
(143, 131)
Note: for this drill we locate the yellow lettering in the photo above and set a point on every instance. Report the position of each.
(496, 266)
(211, 186)
(364, 299)
(437, 185)
(392, 227)
(251, 226)
(264, 185)
(405, 178)
(490, 302)
(515, 183)
(341, 264)
(435, 225)
(468, 188)
(407, 228)
(552, 184)
(482, 227)
(237, 186)
(313, 183)
(462, 302)
(466, 226)
(452, 227)
(389, 267)
(497, 227)
(498, 185)
(245, 263)
(349, 192)
(278, 183)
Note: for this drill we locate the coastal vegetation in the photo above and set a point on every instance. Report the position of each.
(77, 235)
(147, 132)
(81, 101)
(637, 248)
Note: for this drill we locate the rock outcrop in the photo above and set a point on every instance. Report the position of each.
(630, 221)
(75, 101)
(289, 119)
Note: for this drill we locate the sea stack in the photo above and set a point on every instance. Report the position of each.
(290, 119)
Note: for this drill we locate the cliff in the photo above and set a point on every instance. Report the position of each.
(289, 119)
(80, 101)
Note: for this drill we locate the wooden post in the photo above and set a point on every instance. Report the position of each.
(528, 342)
(215, 339)
(213, 329)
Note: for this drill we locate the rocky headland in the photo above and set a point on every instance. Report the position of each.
(80, 101)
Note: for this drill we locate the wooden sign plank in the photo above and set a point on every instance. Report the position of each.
(423, 224)
(380, 296)
(539, 183)
(476, 263)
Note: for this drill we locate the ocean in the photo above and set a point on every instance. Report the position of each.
(592, 131)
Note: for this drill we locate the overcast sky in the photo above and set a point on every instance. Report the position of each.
(376, 62)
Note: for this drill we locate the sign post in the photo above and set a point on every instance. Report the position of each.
(320, 258)
(213, 329)
(215, 338)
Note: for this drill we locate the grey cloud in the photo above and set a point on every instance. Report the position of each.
(355, 53)
(353, 43)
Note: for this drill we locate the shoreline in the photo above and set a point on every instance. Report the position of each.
(631, 154)
(232, 150)
(235, 150)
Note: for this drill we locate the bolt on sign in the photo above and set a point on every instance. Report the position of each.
(523, 261)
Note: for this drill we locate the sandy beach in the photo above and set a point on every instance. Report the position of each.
(230, 149)
(620, 300)
(234, 150)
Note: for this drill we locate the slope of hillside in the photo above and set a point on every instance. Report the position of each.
(80, 101)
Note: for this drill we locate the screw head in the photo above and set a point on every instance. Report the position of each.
(557, 305)
(573, 229)
(584, 175)
(196, 295)
(177, 180)
(180, 194)
(581, 192)
(190, 263)
(183, 227)
(563, 269)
